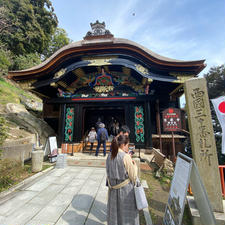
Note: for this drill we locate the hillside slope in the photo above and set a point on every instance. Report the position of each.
(21, 111)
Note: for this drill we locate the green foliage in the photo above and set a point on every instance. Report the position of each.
(32, 24)
(5, 23)
(216, 87)
(216, 81)
(3, 130)
(58, 40)
(21, 62)
(10, 173)
(5, 59)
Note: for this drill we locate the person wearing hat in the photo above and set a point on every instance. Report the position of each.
(102, 137)
(92, 136)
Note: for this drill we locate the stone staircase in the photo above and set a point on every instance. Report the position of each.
(87, 147)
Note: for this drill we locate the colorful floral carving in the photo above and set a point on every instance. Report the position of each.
(69, 124)
(139, 123)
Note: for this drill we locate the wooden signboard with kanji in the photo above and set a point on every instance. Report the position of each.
(171, 119)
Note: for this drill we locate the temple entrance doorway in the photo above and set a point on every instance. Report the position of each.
(112, 117)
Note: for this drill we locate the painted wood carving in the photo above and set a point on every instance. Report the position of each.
(139, 124)
(69, 124)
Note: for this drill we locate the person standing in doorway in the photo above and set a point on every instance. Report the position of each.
(92, 136)
(98, 123)
(102, 137)
(117, 127)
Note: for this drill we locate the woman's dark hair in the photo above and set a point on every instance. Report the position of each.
(116, 143)
(124, 129)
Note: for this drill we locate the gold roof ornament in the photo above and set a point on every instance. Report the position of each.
(149, 81)
(59, 73)
(141, 69)
(181, 78)
(53, 84)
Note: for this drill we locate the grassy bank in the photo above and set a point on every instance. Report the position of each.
(11, 173)
(11, 93)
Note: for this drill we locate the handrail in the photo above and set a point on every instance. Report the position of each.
(221, 169)
(222, 180)
(84, 141)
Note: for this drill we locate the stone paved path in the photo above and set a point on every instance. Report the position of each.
(70, 196)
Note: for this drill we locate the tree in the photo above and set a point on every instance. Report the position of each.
(216, 87)
(58, 40)
(21, 62)
(5, 59)
(33, 23)
(5, 23)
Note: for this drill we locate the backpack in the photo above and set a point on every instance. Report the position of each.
(102, 136)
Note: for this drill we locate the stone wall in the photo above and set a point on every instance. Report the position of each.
(18, 153)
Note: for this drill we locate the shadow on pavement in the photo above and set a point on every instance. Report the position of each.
(84, 209)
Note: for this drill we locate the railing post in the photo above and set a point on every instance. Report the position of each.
(221, 168)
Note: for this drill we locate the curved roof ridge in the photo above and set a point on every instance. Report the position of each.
(150, 52)
(101, 42)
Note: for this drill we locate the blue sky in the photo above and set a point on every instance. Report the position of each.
(179, 29)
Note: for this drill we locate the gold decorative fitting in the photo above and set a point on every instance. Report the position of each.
(103, 89)
(27, 85)
(146, 81)
(181, 79)
(53, 84)
(141, 69)
(99, 62)
(150, 80)
(59, 73)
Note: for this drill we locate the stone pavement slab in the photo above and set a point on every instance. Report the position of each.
(73, 195)
(22, 215)
(39, 222)
(11, 205)
(50, 213)
(68, 196)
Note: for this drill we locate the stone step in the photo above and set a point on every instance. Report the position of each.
(87, 163)
(88, 147)
(96, 143)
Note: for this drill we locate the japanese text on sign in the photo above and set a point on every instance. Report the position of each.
(204, 133)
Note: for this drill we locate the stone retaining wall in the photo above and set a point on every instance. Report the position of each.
(18, 153)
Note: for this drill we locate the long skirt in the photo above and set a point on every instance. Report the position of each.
(121, 207)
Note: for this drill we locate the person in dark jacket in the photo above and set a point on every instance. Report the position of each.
(102, 137)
